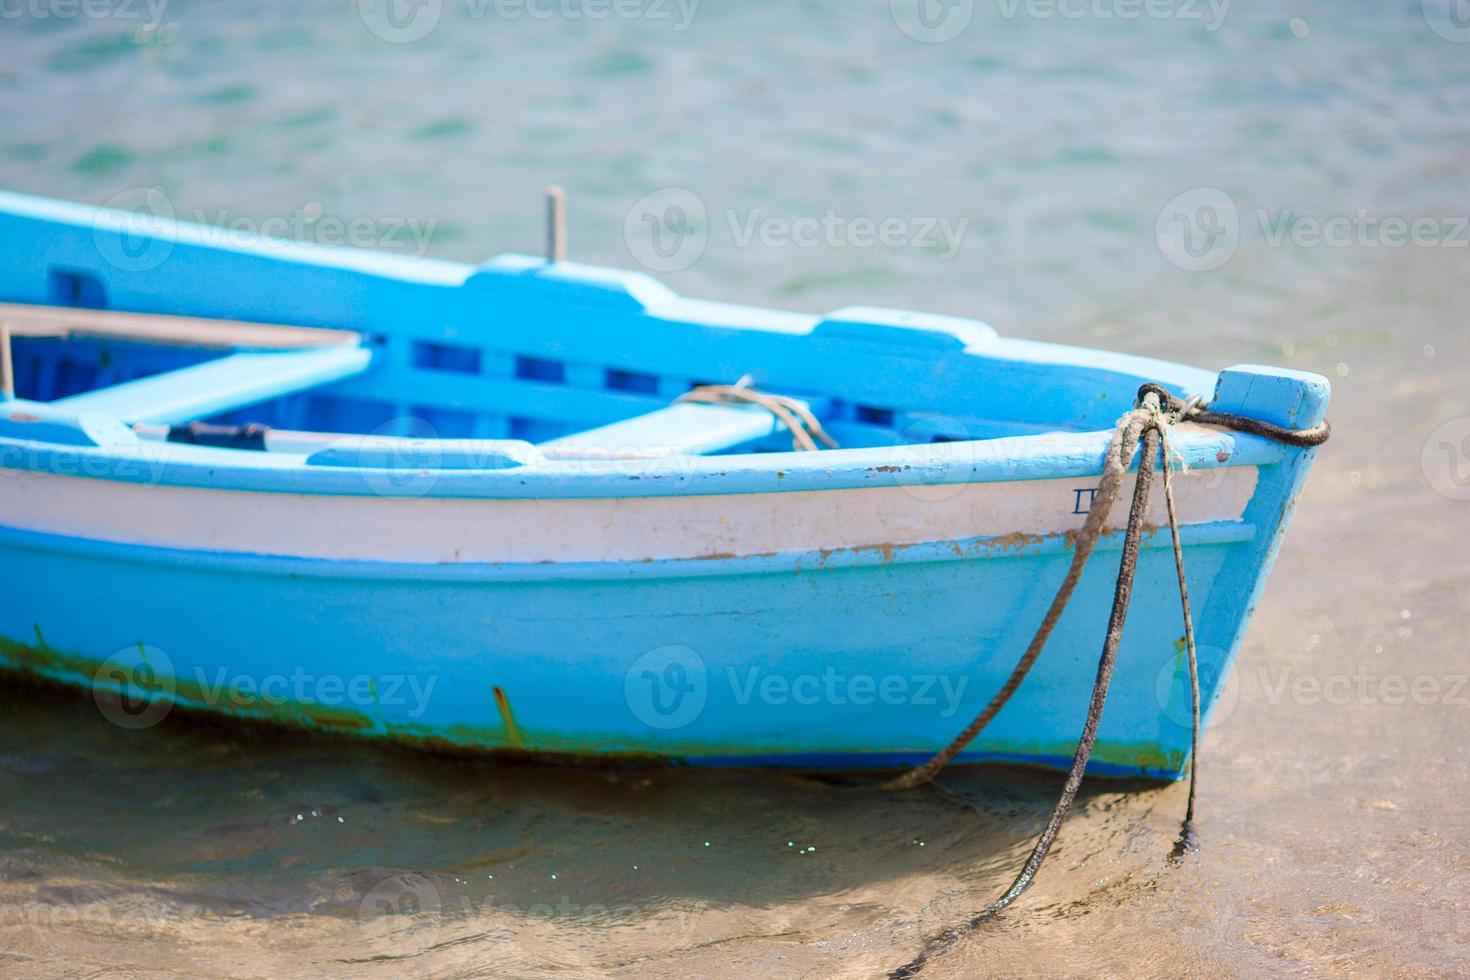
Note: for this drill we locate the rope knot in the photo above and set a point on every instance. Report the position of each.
(806, 431)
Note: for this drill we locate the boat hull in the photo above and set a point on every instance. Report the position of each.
(689, 599)
(836, 657)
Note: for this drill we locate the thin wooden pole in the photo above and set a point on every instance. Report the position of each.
(7, 371)
(556, 224)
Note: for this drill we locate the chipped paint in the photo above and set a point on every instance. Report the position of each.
(429, 530)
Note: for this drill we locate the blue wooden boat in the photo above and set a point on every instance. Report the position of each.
(465, 507)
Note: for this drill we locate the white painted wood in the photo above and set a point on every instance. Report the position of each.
(440, 530)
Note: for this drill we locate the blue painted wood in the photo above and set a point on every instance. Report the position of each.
(1024, 458)
(569, 644)
(547, 642)
(219, 385)
(389, 452)
(1292, 399)
(905, 328)
(37, 422)
(685, 427)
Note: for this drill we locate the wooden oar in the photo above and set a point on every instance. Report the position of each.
(7, 373)
(25, 320)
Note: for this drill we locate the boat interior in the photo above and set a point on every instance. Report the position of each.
(158, 325)
(169, 376)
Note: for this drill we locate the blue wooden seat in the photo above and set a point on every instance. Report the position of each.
(219, 385)
(684, 427)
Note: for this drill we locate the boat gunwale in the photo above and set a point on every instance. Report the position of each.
(124, 457)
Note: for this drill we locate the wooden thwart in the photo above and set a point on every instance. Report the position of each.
(24, 320)
(680, 428)
(220, 385)
(690, 427)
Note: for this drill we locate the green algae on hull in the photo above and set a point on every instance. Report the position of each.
(76, 671)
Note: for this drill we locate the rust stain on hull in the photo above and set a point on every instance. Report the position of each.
(508, 719)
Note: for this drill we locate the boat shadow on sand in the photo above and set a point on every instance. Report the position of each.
(417, 849)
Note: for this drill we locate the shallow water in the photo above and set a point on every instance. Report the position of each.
(1334, 835)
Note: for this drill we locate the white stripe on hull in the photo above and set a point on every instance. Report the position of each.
(453, 530)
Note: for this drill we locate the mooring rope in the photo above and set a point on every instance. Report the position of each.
(1115, 468)
(805, 430)
(1186, 830)
(1156, 410)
